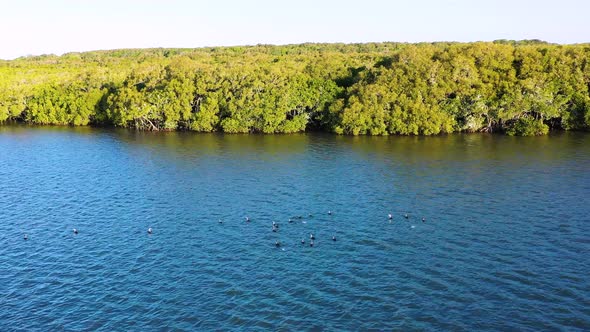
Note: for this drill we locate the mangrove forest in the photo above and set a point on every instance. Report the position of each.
(512, 87)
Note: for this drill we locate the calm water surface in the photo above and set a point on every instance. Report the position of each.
(505, 244)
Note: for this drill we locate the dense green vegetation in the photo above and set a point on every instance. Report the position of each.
(519, 88)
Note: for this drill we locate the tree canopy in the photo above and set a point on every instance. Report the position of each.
(513, 87)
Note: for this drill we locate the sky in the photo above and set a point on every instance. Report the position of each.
(29, 27)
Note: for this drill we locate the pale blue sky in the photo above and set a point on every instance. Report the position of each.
(60, 26)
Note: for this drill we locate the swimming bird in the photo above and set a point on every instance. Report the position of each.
(277, 243)
(290, 220)
(390, 216)
(406, 216)
(311, 237)
(333, 237)
(75, 231)
(330, 212)
(26, 237)
(220, 221)
(150, 230)
(302, 241)
(423, 220)
(311, 243)
(247, 219)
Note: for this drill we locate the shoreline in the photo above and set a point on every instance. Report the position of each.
(16, 124)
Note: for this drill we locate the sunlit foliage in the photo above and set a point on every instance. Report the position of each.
(519, 88)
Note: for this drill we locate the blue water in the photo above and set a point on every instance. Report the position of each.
(505, 244)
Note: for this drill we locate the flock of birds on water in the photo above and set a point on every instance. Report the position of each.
(275, 228)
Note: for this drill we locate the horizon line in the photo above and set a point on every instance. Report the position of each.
(533, 40)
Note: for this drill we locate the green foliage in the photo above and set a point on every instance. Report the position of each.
(527, 127)
(516, 87)
(12, 104)
(62, 105)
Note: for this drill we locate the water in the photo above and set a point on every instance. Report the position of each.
(504, 245)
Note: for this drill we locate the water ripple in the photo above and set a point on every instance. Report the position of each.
(503, 247)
